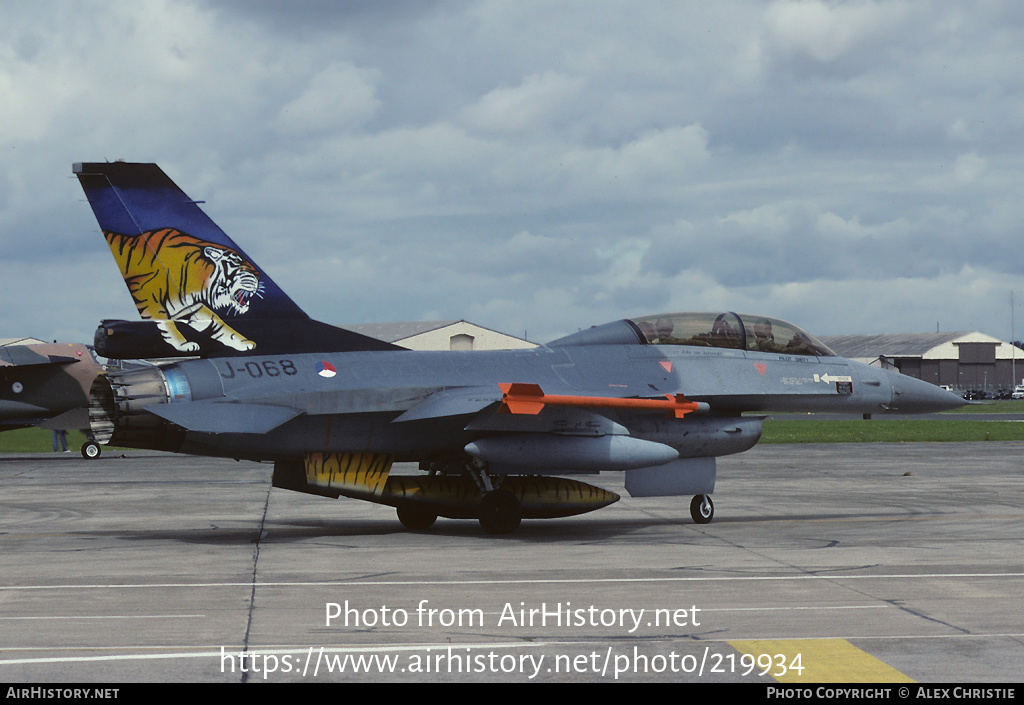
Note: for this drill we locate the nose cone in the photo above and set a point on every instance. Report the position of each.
(914, 396)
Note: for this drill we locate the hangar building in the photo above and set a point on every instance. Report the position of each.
(962, 360)
(441, 335)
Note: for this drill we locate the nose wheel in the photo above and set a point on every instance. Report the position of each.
(702, 509)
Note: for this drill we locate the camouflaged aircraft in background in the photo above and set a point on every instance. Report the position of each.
(494, 432)
(47, 384)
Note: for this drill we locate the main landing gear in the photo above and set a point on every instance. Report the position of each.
(702, 509)
(91, 450)
(500, 512)
(472, 495)
(415, 518)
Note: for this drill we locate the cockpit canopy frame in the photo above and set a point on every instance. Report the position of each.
(728, 330)
(712, 330)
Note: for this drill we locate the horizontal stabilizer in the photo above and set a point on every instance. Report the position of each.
(24, 356)
(224, 417)
(521, 398)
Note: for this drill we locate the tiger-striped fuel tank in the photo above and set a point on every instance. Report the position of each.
(457, 497)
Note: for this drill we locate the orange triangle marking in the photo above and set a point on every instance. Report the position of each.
(760, 367)
(667, 364)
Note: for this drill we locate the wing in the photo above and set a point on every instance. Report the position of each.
(225, 416)
(663, 443)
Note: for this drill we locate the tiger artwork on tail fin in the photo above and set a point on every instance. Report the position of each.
(176, 279)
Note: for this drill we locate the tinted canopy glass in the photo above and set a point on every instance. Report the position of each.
(728, 330)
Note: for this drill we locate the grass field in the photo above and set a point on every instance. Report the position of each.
(787, 429)
(890, 431)
(36, 440)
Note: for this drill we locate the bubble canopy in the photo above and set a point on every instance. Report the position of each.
(728, 330)
(711, 330)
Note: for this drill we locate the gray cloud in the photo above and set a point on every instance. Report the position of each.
(854, 166)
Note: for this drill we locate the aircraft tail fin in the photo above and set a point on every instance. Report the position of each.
(200, 293)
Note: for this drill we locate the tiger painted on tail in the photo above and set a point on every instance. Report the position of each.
(176, 279)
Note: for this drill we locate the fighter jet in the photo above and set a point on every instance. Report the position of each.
(494, 433)
(47, 384)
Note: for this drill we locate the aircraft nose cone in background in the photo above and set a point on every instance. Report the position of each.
(914, 396)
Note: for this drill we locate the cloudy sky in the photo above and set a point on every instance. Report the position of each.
(534, 166)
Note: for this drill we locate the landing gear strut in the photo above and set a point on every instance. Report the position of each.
(702, 509)
(461, 490)
(500, 511)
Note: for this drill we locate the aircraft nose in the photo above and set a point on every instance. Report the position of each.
(915, 396)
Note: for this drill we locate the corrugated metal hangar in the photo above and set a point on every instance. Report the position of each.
(960, 360)
(441, 335)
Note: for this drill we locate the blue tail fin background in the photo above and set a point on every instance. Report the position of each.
(200, 292)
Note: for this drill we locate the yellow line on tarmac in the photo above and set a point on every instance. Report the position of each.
(817, 661)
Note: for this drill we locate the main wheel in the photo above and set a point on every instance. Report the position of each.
(702, 509)
(415, 517)
(500, 512)
(91, 450)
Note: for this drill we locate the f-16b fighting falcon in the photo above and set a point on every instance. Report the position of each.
(495, 433)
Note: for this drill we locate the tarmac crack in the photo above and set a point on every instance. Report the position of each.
(898, 604)
(260, 534)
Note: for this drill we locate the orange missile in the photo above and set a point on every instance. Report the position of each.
(521, 398)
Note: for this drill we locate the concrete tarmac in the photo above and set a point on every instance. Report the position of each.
(860, 562)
